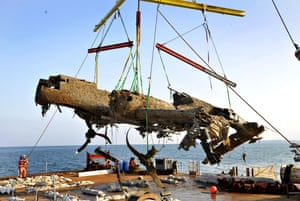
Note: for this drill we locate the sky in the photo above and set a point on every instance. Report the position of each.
(43, 38)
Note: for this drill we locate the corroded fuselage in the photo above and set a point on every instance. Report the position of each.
(201, 120)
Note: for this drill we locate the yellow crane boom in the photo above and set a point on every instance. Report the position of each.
(199, 6)
(179, 3)
(109, 14)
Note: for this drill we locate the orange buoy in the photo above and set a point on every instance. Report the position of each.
(213, 189)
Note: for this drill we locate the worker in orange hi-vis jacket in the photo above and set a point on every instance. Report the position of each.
(23, 166)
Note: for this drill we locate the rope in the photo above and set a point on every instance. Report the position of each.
(43, 132)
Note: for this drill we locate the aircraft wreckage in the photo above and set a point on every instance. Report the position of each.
(198, 119)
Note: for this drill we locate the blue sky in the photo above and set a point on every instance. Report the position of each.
(43, 38)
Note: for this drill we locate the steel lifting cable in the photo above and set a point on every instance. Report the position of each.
(97, 54)
(104, 33)
(205, 25)
(288, 32)
(297, 52)
(123, 24)
(207, 43)
(134, 86)
(261, 116)
(161, 59)
(152, 60)
(217, 54)
(85, 58)
(150, 77)
(191, 30)
(117, 14)
(121, 81)
(181, 37)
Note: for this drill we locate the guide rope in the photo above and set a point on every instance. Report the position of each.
(43, 132)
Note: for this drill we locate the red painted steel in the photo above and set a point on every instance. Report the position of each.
(111, 47)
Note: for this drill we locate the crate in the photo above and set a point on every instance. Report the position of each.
(164, 164)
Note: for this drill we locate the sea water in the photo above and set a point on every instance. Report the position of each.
(64, 158)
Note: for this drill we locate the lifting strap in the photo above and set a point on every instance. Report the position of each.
(123, 76)
(166, 74)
